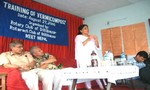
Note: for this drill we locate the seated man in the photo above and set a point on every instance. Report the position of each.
(145, 73)
(138, 61)
(46, 61)
(17, 58)
(43, 60)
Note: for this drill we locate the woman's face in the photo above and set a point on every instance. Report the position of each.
(84, 30)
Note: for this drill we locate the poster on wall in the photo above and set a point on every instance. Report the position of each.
(20, 22)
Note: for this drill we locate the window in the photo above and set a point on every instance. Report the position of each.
(130, 39)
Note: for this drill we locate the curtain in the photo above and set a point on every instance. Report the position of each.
(135, 38)
(130, 39)
(64, 54)
(111, 40)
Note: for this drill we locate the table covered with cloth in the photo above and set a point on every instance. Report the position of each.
(111, 73)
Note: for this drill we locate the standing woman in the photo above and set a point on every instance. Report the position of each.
(84, 45)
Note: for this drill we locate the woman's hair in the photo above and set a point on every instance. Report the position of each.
(81, 27)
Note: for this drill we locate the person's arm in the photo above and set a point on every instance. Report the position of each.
(21, 68)
(89, 38)
(6, 62)
(44, 66)
(8, 65)
(30, 59)
(96, 41)
(32, 64)
(51, 59)
(86, 41)
(45, 63)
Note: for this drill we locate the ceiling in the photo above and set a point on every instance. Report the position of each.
(85, 8)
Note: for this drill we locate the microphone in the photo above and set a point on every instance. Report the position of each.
(27, 59)
(26, 56)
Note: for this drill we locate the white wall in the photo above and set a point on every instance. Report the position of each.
(135, 13)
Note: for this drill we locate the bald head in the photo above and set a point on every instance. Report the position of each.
(36, 51)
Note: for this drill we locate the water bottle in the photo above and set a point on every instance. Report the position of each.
(94, 62)
(110, 55)
(106, 57)
(123, 58)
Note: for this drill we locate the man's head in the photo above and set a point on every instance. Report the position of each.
(36, 51)
(141, 56)
(16, 46)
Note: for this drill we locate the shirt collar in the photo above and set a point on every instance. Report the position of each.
(12, 54)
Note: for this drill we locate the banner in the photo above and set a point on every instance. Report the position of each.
(20, 22)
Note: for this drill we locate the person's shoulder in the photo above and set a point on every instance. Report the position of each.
(6, 53)
(26, 52)
(46, 53)
(79, 35)
(147, 61)
(49, 55)
(131, 60)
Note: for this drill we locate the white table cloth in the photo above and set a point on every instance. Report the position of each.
(111, 73)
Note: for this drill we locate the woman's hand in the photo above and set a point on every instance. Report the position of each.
(95, 39)
(91, 37)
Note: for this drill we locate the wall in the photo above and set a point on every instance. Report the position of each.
(135, 13)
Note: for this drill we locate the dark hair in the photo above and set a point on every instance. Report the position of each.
(81, 27)
(143, 54)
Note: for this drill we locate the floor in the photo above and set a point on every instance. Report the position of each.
(121, 87)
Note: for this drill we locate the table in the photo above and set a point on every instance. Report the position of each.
(111, 73)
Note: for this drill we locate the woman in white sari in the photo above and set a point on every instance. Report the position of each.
(84, 45)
